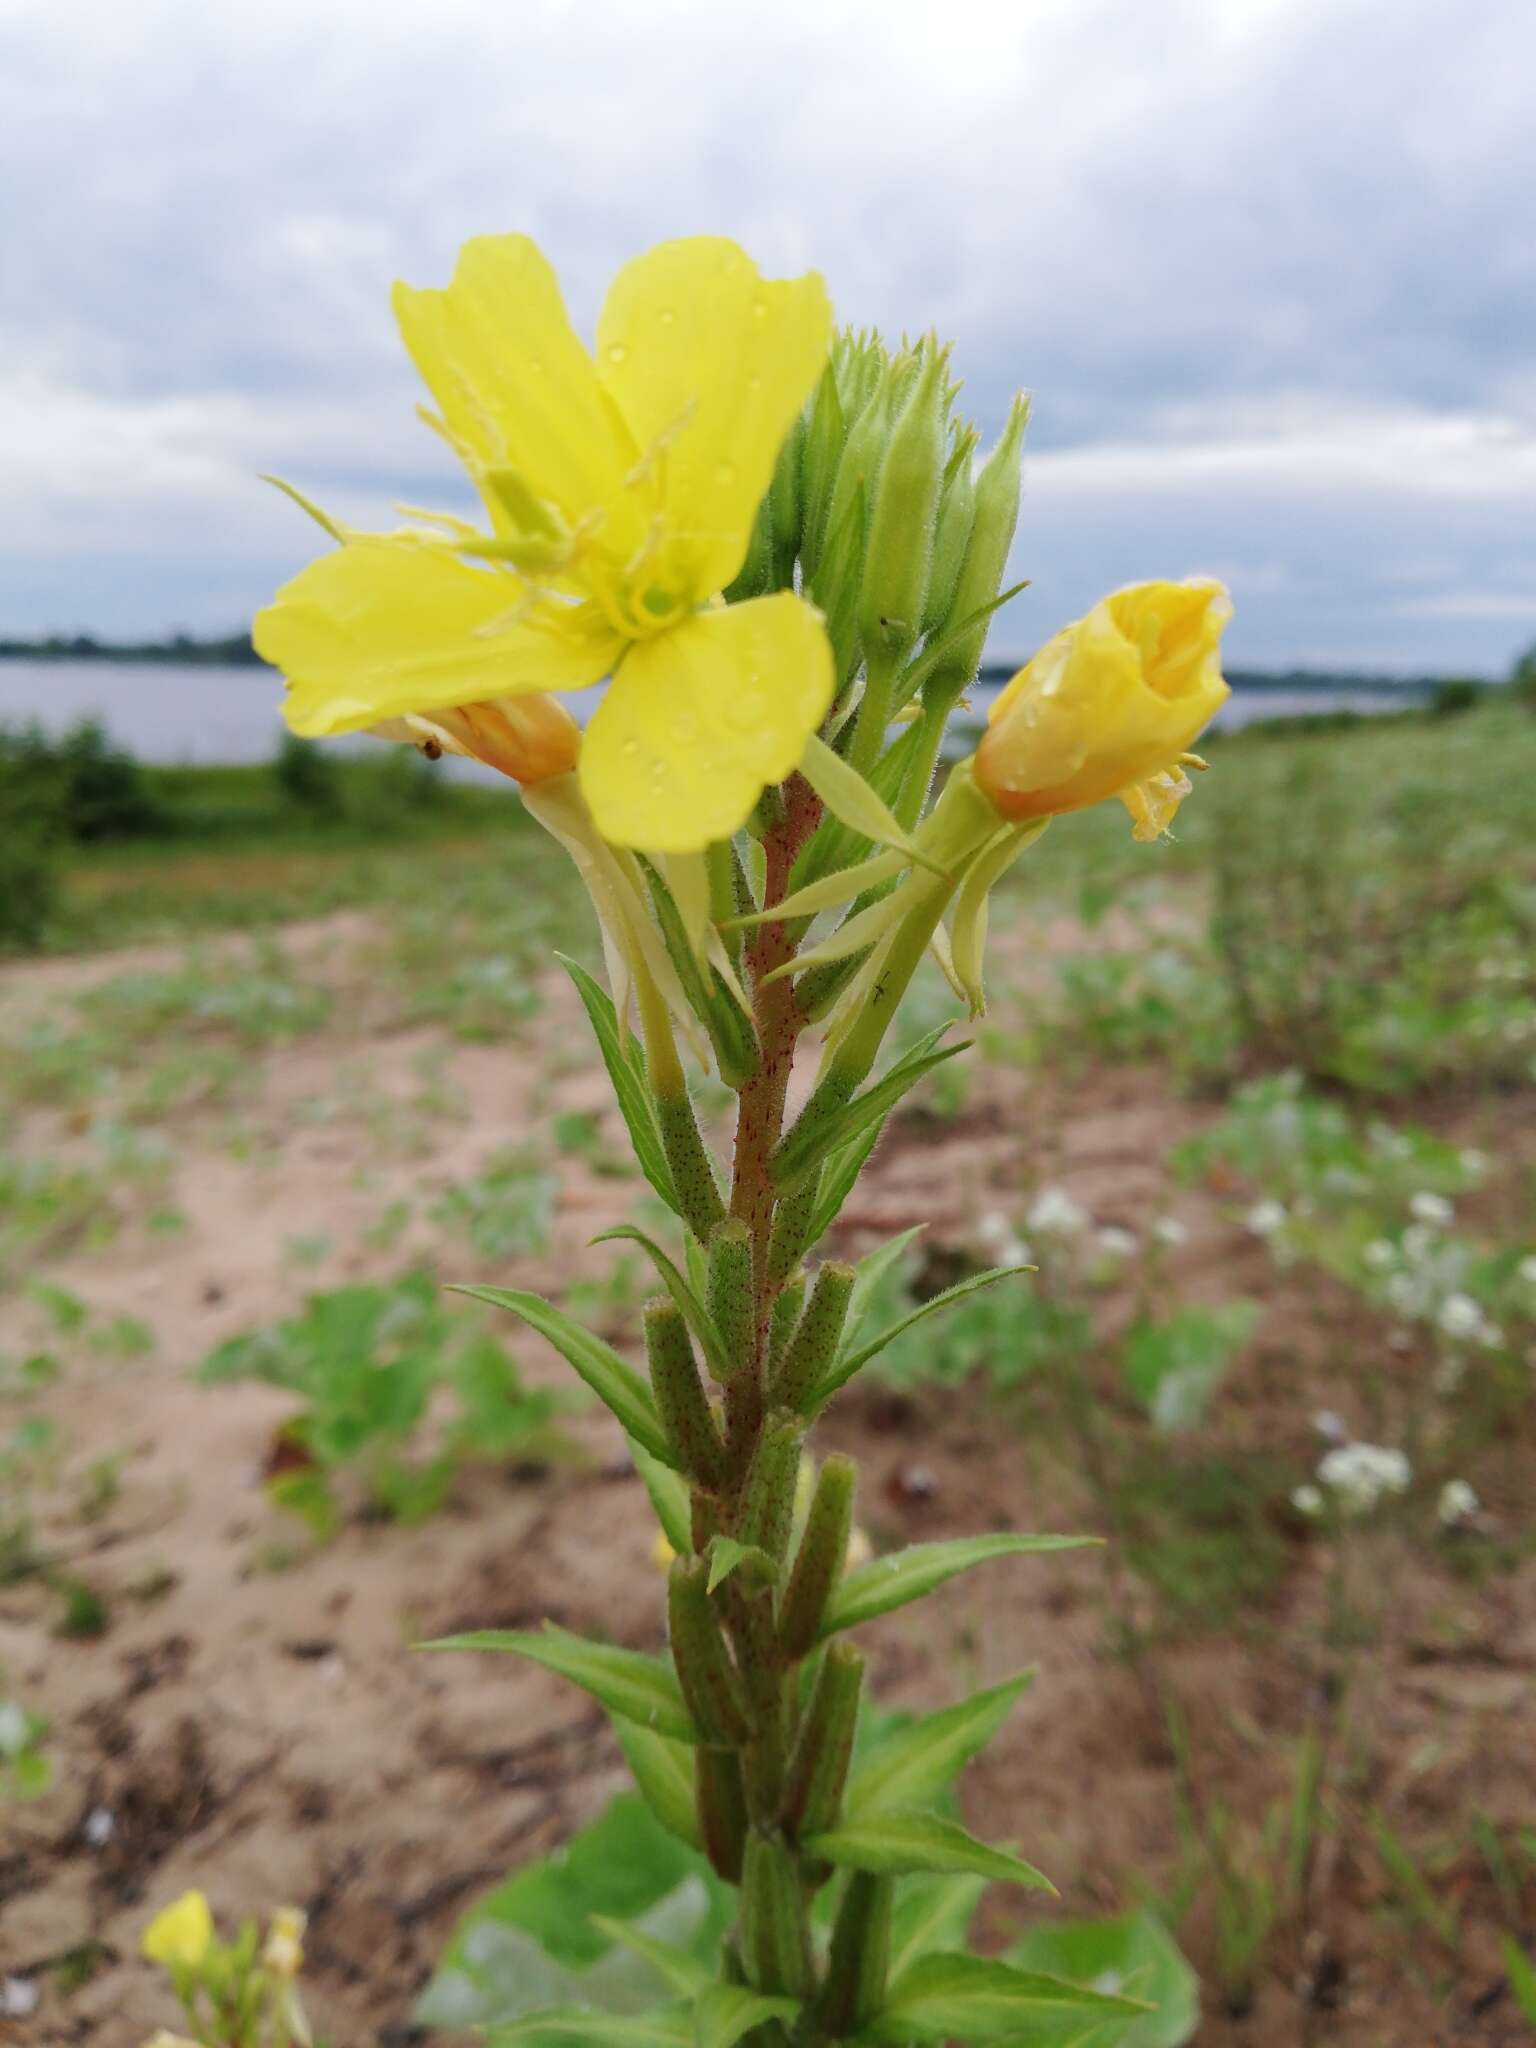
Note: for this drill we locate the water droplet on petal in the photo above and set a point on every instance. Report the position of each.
(745, 710)
(630, 749)
(617, 351)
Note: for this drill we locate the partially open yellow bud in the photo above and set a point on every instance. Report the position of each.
(529, 738)
(283, 1951)
(1110, 707)
(179, 1934)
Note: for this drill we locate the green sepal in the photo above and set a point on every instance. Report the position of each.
(768, 1504)
(965, 1998)
(859, 1957)
(818, 1769)
(721, 1811)
(845, 1367)
(669, 1496)
(617, 1385)
(730, 1032)
(773, 1925)
(891, 1582)
(727, 1558)
(705, 1673)
(893, 1844)
(682, 1291)
(812, 1352)
(664, 1773)
(728, 1300)
(819, 1559)
(627, 1682)
(827, 1126)
(920, 1762)
(681, 1401)
(631, 1090)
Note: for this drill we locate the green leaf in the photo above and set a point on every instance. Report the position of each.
(594, 2029)
(668, 1492)
(726, 1555)
(617, 1385)
(691, 1308)
(890, 1582)
(803, 1150)
(630, 1088)
(892, 1844)
(853, 803)
(1173, 1366)
(872, 1269)
(727, 2011)
(663, 1771)
(914, 1766)
(626, 1682)
(1134, 1954)
(1522, 1977)
(845, 1367)
(842, 1171)
(959, 1997)
(932, 1913)
(681, 1969)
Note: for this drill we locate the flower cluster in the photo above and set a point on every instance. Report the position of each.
(234, 1994)
(1353, 1479)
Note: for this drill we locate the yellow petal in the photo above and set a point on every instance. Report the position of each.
(516, 387)
(700, 719)
(179, 1935)
(383, 629)
(709, 358)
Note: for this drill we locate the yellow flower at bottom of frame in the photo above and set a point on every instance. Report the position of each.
(1110, 707)
(179, 1935)
(620, 487)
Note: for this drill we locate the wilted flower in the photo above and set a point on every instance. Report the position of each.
(179, 1934)
(1458, 1502)
(621, 490)
(1110, 707)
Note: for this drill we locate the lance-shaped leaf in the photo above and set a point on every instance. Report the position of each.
(831, 890)
(915, 1766)
(678, 1967)
(932, 1913)
(854, 935)
(834, 847)
(630, 1088)
(906, 1575)
(694, 1313)
(585, 2028)
(663, 1770)
(845, 1367)
(724, 2012)
(842, 1171)
(873, 1268)
(965, 1998)
(810, 1142)
(669, 1496)
(617, 1385)
(892, 1844)
(626, 1682)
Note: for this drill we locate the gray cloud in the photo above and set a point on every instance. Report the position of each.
(1265, 263)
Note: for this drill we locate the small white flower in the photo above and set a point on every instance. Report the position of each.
(1449, 1373)
(1266, 1217)
(1418, 1243)
(1116, 1243)
(1170, 1231)
(1431, 1208)
(1474, 1163)
(100, 1826)
(1527, 1269)
(1380, 1253)
(1402, 1292)
(19, 1997)
(1308, 1500)
(1491, 1337)
(1358, 1475)
(1330, 1425)
(1458, 1503)
(1054, 1212)
(1460, 1318)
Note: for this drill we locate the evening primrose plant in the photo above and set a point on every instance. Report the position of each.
(776, 548)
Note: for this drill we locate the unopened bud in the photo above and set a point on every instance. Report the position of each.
(708, 1679)
(728, 1292)
(818, 1770)
(722, 1810)
(952, 535)
(787, 1304)
(770, 1491)
(853, 1991)
(681, 1402)
(986, 555)
(813, 1347)
(819, 1559)
(774, 1929)
(899, 551)
(786, 500)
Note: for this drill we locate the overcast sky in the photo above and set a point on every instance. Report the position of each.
(1268, 266)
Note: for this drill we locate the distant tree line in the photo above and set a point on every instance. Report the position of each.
(233, 651)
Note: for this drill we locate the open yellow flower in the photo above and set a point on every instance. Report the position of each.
(179, 1934)
(1110, 707)
(621, 488)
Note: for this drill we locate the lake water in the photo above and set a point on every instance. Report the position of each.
(170, 712)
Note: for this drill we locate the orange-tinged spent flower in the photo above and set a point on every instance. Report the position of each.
(179, 1934)
(529, 738)
(620, 488)
(1110, 707)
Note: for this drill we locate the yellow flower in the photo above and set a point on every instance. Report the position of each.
(621, 488)
(179, 1934)
(283, 1951)
(1110, 707)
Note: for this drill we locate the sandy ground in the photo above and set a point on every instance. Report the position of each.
(254, 1721)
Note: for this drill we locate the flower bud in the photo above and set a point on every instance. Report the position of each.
(769, 1506)
(811, 1350)
(1110, 707)
(532, 738)
(952, 535)
(859, 1957)
(818, 1770)
(787, 1304)
(986, 555)
(899, 552)
(773, 1918)
(728, 1291)
(681, 1402)
(708, 1679)
(722, 1810)
(819, 1559)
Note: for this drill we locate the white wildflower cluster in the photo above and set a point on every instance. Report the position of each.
(1266, 1218)
(1115, 1242)
(1053, 1213)
(1423, 1277)
(1458, 1503)
(1354, 1479)
(1001, 1240)
(1169, 1231)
